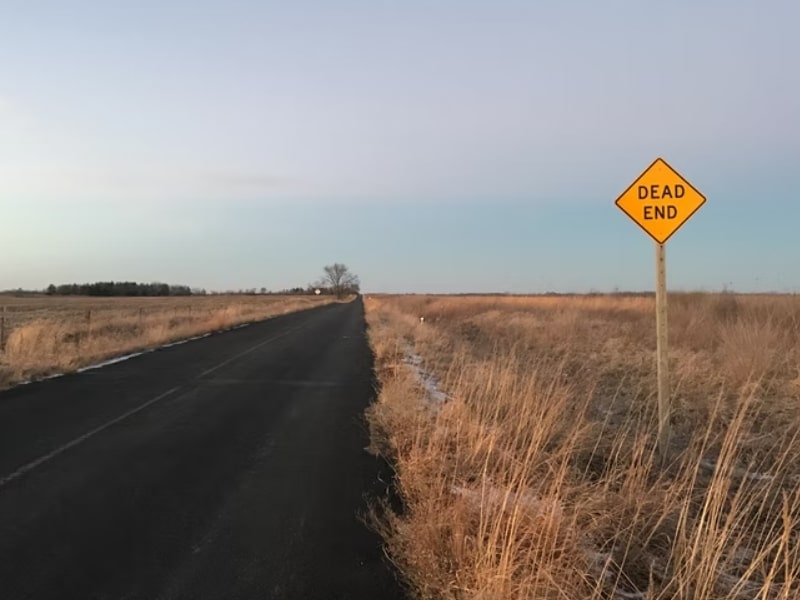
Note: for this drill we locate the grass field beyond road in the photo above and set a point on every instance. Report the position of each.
(46, 335)
(537, 475)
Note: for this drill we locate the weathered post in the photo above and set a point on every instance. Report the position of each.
(662, 352)
(3, 329)
(88, 325)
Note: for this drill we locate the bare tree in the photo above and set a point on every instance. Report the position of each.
(339, 280)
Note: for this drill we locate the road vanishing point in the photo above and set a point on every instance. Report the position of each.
(231, 467)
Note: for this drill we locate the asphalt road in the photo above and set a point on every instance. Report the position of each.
(229, 467)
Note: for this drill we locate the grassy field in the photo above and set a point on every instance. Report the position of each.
(537, 475)
(46, 335)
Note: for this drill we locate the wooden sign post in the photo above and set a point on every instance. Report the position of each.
(662, 350)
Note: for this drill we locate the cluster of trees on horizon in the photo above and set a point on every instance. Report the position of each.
(120, 288)
(134, 289)
(337, 280)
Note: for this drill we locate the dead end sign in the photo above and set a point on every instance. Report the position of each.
(660, 200)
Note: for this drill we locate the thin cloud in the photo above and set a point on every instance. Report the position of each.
(252, 182)
(89, 183)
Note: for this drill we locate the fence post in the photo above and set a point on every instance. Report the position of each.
(3, 329)
(89, 325)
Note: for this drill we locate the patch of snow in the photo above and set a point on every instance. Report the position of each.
(760, 476)
(428, 381)
(602, 562)
(746, 588)
(45, 378)
(186, 341)
(507, 500)
(740, 473)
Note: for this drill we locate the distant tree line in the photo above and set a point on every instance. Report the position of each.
(120, 288)
(263, 291)
(309, 290)
(337, 280)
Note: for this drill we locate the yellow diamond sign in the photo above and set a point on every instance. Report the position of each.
(660, 201)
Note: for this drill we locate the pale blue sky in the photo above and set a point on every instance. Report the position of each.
(432, 146)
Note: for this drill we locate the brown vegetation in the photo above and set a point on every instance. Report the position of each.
(53, 335)
(537, 477)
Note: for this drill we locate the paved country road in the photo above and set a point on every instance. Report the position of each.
(228, 467)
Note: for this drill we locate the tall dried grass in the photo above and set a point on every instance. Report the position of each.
(63, 337)
(538, 478)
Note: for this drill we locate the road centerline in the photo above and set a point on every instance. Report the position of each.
(26, 468)
(250, 350)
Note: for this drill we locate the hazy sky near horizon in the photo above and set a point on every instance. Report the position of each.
(431, 146)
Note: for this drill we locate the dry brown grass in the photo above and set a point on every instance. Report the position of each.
(538, 477)
(55, 335)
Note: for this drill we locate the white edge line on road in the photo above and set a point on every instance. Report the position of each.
(79, 440)
(112, 361)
